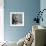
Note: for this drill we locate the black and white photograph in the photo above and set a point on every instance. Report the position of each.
(16, 18)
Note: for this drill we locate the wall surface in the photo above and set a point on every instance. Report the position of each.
(43, 6)
(29, 7)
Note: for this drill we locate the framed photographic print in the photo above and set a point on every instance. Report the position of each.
(16, 18)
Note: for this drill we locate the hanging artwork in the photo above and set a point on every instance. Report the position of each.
(16, 18)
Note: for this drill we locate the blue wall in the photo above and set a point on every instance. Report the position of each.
(29, 7)
(43, 6)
